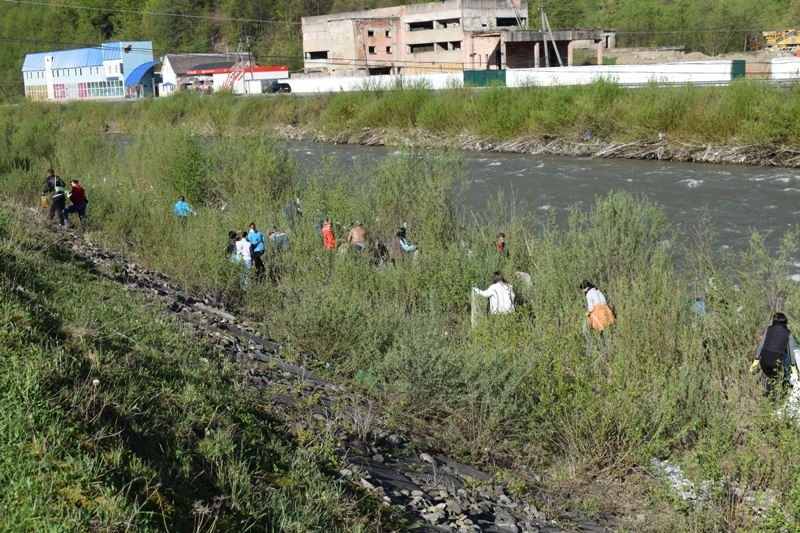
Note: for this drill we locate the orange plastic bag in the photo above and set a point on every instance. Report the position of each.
(601, 317)
(45, 202)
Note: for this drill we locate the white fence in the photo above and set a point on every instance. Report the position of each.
(335, 84)
(786, 68)
(696, 72)
(701, 72)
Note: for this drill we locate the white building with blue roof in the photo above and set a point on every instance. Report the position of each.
(107, 71)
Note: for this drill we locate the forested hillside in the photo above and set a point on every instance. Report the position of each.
(710, 26)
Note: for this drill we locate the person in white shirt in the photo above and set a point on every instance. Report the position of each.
(244, 255)
(500, 293)
(599, 315)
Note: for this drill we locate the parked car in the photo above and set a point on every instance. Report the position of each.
(278, 87)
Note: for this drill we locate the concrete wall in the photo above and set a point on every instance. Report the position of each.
(358, 83)
(694, 72)
(786, 68)
(168, 74)
(482, 52)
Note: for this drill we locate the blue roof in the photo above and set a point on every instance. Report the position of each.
(138, 73)
(80, 57)
(34, 62)
(112, 51)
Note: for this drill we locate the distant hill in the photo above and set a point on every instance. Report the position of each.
(708, 26)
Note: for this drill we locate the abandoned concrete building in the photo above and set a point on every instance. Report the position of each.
(449, 35)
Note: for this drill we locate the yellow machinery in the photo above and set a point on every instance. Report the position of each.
(782, 39)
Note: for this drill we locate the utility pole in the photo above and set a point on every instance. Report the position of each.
(250, 62)
(516, 13)
(546, 30)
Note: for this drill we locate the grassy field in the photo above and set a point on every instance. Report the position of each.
(744, 113)
(520, 392)
(115, 419)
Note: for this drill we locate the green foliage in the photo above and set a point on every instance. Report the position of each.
(114, 418)
(275, 33)
(522, 389)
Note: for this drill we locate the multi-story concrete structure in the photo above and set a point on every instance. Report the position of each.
(431, 37)
(111, 70)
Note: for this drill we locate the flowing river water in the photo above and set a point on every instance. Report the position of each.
(736, 198)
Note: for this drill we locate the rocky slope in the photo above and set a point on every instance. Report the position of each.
(662, 148)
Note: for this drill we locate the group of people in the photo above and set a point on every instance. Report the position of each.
(775, 355)
(247, 248)
(356, 240)
(55, 196)
(502, 298)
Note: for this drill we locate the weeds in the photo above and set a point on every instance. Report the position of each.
(517, 390)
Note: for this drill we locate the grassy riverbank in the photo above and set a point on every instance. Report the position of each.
(518, 392)
(743, 114)
(115, 419)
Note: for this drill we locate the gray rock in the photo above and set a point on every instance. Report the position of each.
(417, 493)
(433, 518)
(503, 517)
(427, 458)
(394, 440)
(366, 484)
(453, 507)
(378, 458)
(346, 472)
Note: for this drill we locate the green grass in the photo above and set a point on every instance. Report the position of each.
(168, 438)
(519, 392)
(744, 113)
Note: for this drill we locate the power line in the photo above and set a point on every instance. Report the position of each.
(274, 21)
(351, 62)
(151, 13)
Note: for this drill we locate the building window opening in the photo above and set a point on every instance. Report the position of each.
(420, 48)
(317, 55)
(388, 49)
(506, 22)
(441, 47)
(420, 26)
(370, 33)
(371, 50)
(449, 23)
(387, 34)
(455, 45)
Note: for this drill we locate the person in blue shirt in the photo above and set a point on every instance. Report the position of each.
(182, 210)
(258, 246)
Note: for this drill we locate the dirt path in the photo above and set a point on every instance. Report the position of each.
(436, 492)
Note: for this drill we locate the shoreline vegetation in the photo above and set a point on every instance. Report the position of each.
(520, 392)
(746, 123)
(653, 149)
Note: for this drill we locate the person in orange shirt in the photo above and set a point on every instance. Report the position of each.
(328, 237)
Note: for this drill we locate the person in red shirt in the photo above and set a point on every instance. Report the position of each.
(327, 235)
(77, 196)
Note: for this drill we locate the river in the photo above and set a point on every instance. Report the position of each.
(736, 198)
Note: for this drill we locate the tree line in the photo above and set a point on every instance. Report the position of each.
(709, 26)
